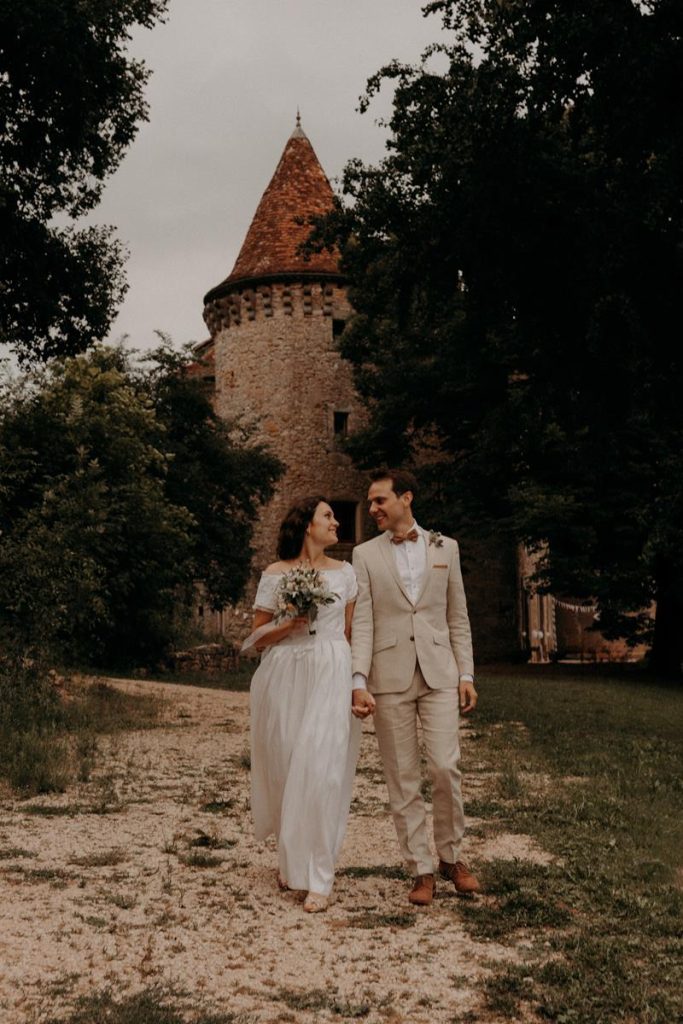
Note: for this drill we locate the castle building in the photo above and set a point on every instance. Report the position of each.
(273, 323)
(272, 361)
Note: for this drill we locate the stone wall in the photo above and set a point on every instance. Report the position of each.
(276, 364)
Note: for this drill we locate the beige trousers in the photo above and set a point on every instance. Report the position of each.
(396, 727)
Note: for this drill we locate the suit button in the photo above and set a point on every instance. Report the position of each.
(412, 637)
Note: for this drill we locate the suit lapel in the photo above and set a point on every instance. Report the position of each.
(429, 562)
(388, 556)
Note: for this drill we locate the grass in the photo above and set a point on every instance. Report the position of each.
(315, 1000)
(218, 806)
(101, 805)
(526, 898)
(370, 920)
(121, 900)
(151, 1006)
(200, 859)
(12, 852)
(237, 680)
(375, 871)
(55, 875)
(52, 810)
(604, 919)
(46, 743)
(47, 740)
(211, 842)
(103, 859)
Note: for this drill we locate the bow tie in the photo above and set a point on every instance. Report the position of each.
(399, 538)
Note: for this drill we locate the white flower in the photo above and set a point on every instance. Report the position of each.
(301, 591)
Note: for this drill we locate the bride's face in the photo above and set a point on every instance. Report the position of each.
(323, 527)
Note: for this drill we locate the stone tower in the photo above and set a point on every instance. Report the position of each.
(273, 323)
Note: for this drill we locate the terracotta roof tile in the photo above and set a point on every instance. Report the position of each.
(298, 190)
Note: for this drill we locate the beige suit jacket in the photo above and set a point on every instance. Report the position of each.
(391, 635)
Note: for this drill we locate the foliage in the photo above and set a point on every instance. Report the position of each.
(119, 489)
(47, 739)
(216, 471)
(149, 1006)
(515, 264)
(71, 101)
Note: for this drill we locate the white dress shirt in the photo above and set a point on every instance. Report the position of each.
(411, 563)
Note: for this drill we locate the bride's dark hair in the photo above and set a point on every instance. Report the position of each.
(293, 527)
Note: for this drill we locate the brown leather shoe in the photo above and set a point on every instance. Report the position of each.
(460, 876)
(422, 892)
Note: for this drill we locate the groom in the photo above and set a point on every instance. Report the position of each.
(412, 658)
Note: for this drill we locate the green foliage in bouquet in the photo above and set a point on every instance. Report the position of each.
(301, 592)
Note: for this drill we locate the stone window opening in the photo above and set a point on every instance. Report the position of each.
(340, 424)
(346, 514)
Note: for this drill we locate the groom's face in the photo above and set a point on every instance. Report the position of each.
(391, 511)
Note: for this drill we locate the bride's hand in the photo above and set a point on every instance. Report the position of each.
(296, 625)
(278, 631)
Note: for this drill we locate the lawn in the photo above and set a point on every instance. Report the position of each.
(591, 767)
(49, 734)
(588, 762)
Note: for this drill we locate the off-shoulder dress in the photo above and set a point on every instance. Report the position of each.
(304, 739)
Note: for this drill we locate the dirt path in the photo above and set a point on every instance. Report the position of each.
(103, 888)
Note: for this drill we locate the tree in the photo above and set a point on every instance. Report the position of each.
(70, 105)
(106, 518)
(515, 264)
(217, 472)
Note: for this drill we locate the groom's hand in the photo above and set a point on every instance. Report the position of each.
(362, 703)
(468, 696)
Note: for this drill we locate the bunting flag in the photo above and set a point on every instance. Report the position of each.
(578, 608)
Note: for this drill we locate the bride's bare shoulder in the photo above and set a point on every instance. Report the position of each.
(333, 563)
(275, 568)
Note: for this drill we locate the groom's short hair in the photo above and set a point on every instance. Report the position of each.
(401, 480)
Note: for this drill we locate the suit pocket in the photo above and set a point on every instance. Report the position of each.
(442, 639)
(383, 643)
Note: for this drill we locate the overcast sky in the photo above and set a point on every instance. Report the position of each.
(228, 76)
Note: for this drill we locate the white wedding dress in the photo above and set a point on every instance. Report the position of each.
(304, 739)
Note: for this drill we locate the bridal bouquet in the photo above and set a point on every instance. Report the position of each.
(302, 591)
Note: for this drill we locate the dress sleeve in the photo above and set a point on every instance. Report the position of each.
(265, 594)
(351, 583)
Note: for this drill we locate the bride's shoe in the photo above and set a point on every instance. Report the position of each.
(315, 903)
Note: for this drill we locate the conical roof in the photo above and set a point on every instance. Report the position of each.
(297, 191)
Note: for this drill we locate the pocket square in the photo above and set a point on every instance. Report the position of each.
(439, 566)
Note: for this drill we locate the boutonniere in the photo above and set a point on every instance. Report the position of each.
(435, 538)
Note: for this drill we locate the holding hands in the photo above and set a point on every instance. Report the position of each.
(362, 703)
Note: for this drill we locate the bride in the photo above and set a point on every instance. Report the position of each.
(304, 740)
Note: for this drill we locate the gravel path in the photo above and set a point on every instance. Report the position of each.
(148, 875)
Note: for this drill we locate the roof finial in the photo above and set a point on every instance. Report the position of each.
(298, 132)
